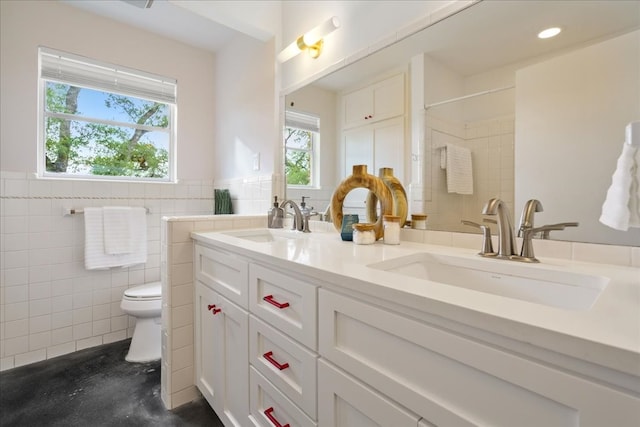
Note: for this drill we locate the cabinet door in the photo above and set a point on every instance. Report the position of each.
(205, 301)
(388, 147)
(223, 272)
(388, 98)
(231, 363)
(380, 145)
(358, 150)
(221, 350)
(344, 402)
(358, 106)
(378, 101)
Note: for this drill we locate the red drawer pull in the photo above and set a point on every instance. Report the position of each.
(270, 300)
(269, 357)
(275, 422)
(213, 309)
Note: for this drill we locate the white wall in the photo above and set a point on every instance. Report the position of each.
(563, 159)
(49, 304)
(245, 99)
(27, 25)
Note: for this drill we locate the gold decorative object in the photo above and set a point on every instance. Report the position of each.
(399, 196)
(361, 179)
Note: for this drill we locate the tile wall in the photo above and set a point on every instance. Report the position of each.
(251, 195)
(49, 304)
(491, 143)
(178, 371)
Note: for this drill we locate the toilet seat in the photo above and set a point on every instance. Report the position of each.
(146, 292)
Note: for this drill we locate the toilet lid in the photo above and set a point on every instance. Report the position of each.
(146, 291)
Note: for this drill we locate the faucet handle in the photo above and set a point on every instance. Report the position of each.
(560, 226)
(487, 246)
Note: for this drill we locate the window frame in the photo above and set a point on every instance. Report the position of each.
(132, 75)
(311, 123)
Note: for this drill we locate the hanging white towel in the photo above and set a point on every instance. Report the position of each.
(459, 169)
(621, 208)
(95, 256)
(117, 223)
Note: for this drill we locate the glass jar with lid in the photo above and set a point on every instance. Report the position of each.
(364, 234)
(391, 229)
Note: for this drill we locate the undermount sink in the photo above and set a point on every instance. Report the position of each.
(265, 234)
(556, 288)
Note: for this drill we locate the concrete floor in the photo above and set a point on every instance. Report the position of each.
(93, 387)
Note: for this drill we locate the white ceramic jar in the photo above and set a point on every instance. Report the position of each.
(391, 224)
(419, 221)
(364, 234)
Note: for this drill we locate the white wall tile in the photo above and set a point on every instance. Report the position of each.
(39, 324)
(182, 358)
(608, 254)
(16, 328)
(16, 294)
(61, 319)
(61, 349)
(88, 343)
(39, 340)
(30, 357)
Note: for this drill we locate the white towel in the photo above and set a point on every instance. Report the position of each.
(621, 208)
(459, 169)
(117, 223)
(95, 256)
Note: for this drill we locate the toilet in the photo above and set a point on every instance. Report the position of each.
(144, 302)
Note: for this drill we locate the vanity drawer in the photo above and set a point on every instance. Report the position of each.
(284, 302)
(344, 401)
(270, 408)
(224, 273)
(287, 364)
(451, 379)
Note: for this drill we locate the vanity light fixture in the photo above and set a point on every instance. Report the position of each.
(310, 41)
(549, 32)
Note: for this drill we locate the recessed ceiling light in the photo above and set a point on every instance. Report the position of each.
(549, 32)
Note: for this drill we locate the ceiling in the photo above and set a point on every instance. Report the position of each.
(163, 18)
(484, 36)
(493, 34)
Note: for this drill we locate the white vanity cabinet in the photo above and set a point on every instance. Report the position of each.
(452, 379)
(344, 401)
(311, 349)
(378, 101)
(283, 343)
(222, 335)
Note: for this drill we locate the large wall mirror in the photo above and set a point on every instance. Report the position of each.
(543, 118)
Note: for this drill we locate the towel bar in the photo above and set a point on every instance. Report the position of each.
(72, 211)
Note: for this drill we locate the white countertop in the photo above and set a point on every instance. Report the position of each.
(607, 334)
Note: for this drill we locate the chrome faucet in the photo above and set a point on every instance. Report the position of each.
(487, 246)
(526, 219)
(507, 239)
(307, 213)
(298, 220)
(526, 255)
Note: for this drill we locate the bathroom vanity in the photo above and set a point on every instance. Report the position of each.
(305, 329)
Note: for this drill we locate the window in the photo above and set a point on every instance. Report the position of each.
(301, 141)
(104, 121)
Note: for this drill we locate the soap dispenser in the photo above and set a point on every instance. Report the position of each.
(275, 216)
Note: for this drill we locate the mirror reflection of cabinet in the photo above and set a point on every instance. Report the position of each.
(375, 102)
(373, 133)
